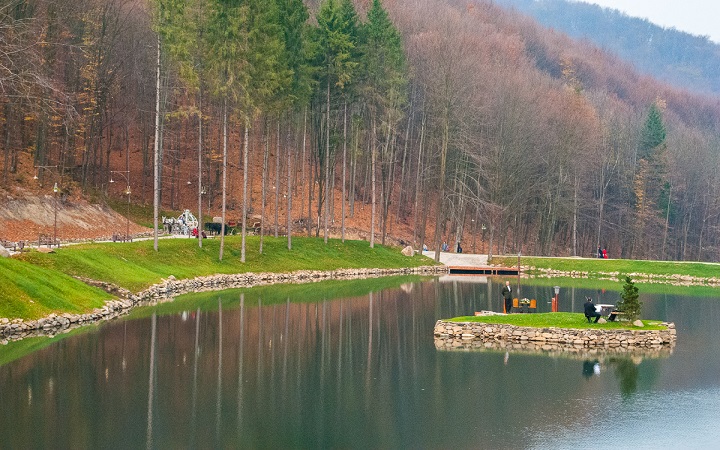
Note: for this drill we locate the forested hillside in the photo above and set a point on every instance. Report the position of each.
(432, 120)
(671, 55)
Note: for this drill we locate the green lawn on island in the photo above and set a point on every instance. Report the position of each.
(36, 284)
(557, 320)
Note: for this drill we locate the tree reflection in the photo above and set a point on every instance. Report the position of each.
(152, 381)
(627, 372)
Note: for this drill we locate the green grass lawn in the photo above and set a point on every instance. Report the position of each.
(30, 291)
(558, 320)
(36, 284)
(595, 266)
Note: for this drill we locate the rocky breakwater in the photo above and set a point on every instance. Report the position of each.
(469, 334)
(171, 287)
(53, 324)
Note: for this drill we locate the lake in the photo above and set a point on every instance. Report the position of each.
(354, 365)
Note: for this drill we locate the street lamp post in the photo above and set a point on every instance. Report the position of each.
(126, 175)
(56, 189)
(55, 192)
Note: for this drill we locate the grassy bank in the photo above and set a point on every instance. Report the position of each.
(37, 284)
(558, 320)
(618, 267)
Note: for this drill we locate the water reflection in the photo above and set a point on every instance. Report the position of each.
(293, 367)
(590, 368)
(152, 382)
(627, 372)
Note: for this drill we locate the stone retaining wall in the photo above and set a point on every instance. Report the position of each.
(49, 326)
(467, 333)
(553, 349)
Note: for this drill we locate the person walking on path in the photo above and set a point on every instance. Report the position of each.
(507, 295)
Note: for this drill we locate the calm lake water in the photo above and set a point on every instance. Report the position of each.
(354, 365)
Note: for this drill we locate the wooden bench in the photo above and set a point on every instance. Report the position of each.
(10, 245)
(45, 239)
(119, 237)
(516, 304)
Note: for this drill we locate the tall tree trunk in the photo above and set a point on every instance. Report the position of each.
(224, 180)
(156, 187)
(388, 172)
(401, 197)
(327, 166)
(440, 218)
(353, 171)
(277, 178)
(263, 200)
(288, 146)
(200, 179)
(145, 149)
(172, 154)
(344, 175)
(246, 169)
(575, 214)
(303, 163)
(372, 176)
(667, 224)
(8, 127)
(419, 188)
(311, 188)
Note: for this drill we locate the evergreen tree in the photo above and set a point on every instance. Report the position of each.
(335, 49)
(297, 50)
(293, 16)
(184, 35)
(227, 72)
(630, 305)
(385, 90)
(653, 134)
(649, 181)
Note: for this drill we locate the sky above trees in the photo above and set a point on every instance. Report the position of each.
(697, 17)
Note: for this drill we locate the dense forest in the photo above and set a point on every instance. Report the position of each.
(671, 55)
(462, 120)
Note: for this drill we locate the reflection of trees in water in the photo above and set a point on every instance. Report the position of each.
(626, 369)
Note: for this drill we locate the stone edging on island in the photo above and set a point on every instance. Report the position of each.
(53, 324)
(585, 337)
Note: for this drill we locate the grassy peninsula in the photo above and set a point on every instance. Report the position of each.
(37, 284)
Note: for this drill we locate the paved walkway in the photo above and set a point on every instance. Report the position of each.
(460, 259)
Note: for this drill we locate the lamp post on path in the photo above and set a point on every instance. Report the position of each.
(126, 175)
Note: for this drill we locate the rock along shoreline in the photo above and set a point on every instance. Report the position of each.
(17, 329)
(477, 334)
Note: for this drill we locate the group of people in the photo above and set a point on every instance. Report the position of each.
(446, 248)
(591, 310)
(602, 253)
